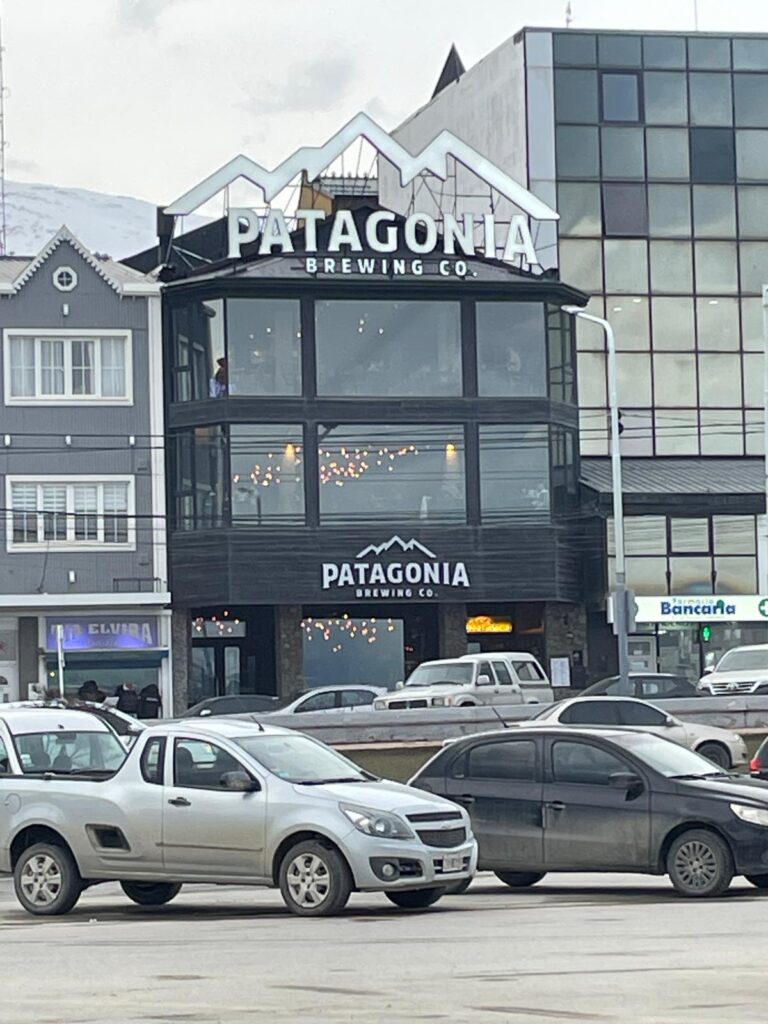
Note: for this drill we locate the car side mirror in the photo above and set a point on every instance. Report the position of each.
(399, 684)
(708, 669)
(483, 680)
(204, 712)
(628, 781)
(240, 782)
(669, 721)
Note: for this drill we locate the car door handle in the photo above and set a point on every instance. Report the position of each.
(555, 805)
(180, 801)
(465, 798)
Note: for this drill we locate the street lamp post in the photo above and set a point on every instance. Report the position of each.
(620, 589)
(763, 583)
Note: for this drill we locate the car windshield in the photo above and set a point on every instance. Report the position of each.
(668, 758)
(743, 661)
(300, 759)
(455, 672)
(79, 752)
(547, 711)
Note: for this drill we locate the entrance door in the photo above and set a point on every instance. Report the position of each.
(215, 671)
(589, 821)
(209, 831)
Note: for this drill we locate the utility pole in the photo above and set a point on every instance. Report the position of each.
(620, 604)
(3, 145)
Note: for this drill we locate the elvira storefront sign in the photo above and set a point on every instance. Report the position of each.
(395, 569)
(451, 234)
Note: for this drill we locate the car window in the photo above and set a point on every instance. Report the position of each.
(198, 764)
(5, 764)
(528, 671)
(661, 686)
(584, 763)
(509, 759)
(590, 712)
(152, 758)
(639, 714)
(356, 698)
(67, 752)
(484, 669)
(502, 673)
(318, 702)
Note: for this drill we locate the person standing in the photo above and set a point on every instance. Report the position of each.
(127, 699)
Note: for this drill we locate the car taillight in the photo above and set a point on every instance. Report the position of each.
(755, 764)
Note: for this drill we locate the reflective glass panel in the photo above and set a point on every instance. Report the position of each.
(711, 101)
(750, 54)
(677, 432)
(579, 209)
(734, 535)
(264, 347)
(625, 211)
(199, 363)
(719, 379)
(511, 353)
(690, 535)
(752, 325)
(669, 211)
(629, 318)
(716, 268)
(666, 98)
(623, 152)
(752, 155)
(709, 53)
(377, 348)
(626, 265)
(647, 576)
(753, 211)
(620, 97)
(673, 323)
(671, 269)
(753, 257)
(664, 52)
(735, 575)
(751, 100)
(578, 152)
(674, 379)
(514, 471)
(722, 432)
(592, 387)
(267, 467)
(618, 51)
(633, 373)
(712, 155)
(714, 211)
(581, 263)
(691, 575)
(376, 472)
(718, 323)
(667, 154)
(575, 96)
(574, 48)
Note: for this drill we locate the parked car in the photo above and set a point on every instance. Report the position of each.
(333, 698)
(645, 685)
(460, 682)
(758, 766)
(126, 726)
(557, 799)
(721, 746)
(224, 802)
(742, 670)
(524, 669)
(232, 704)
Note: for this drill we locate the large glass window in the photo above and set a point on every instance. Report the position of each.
(753, 211)
(669, 211)
(70, 369)
(377, 348)
(574, 48)
(712, 155)
(716, 270)
(199, 365)
(578, 152)
(666, 98)
(626, 265)
(378, 472)
(752, 155)
(576, 96)
(711, 99)
(618, 50)
(674, 375)
(753, 261)
(263, 347)
(623, 153)
(714, 211)
(514, 471)
(625, 211)
(266, 464)
(579, 208)
(620, 96)
(751, 100)
(710, 53)
(71, 515)
(664, 52)
(719, 379)
(511, 352)
(718, 323)
(671, 269)
(672, 323)
(667, 153)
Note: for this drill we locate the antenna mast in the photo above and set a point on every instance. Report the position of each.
(3, 145)
(568, 14)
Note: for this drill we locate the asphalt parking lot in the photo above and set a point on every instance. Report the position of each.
(574, 948)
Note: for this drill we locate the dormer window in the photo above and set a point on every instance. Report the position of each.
(65, 279)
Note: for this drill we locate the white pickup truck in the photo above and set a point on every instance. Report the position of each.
(469, 681)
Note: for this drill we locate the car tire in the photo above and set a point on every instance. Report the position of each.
(314, 880)
(415, 899)
(699, 863)
(759, 881)
(46, 880)
(459, 888)
(466, 704)
(716, 753)
(151, 894)
(519, 879)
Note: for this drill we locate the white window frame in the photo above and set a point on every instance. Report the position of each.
(39, 334)
(70, 544)
(57, 281)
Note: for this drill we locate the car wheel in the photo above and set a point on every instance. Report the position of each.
(315, 880)
(415, 899)
(459, 887)
(716, 753)
(466, 704)
(519, 879)
(759, 881)
(46, 880)
(699, 863)
(151, 894)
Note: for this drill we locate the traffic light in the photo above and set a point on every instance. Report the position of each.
(705, 634)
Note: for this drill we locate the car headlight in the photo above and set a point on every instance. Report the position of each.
(380, 824)
(439, 702)
(379, 705)
(754, 815)
(702, 684)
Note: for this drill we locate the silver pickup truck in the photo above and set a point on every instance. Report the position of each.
(228, 802)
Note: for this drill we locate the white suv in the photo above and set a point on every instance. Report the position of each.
(742, 670)
(468, 681)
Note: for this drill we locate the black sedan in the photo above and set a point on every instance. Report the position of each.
(589, 800)
(645, 685)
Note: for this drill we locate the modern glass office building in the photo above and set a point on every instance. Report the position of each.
(654, 150)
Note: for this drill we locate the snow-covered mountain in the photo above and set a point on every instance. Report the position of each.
(116, 225)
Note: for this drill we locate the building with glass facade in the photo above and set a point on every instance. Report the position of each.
(654, 150)
(367, 470)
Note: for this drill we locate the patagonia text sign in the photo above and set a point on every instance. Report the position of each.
(372, 576)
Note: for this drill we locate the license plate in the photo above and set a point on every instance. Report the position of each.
(453, 862)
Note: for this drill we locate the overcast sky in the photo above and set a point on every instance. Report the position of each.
(146, 97)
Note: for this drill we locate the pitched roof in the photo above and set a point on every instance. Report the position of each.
(452, 71)
(667, 476)
(16, 271)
